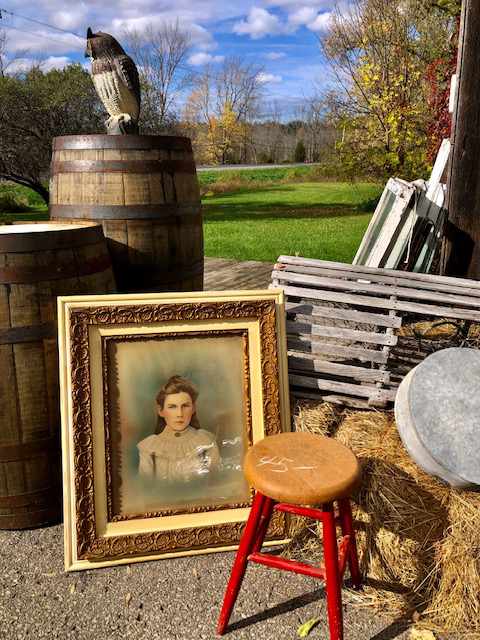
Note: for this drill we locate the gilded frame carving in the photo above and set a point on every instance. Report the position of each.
(94, 534)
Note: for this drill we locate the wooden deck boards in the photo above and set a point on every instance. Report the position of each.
(223, 275)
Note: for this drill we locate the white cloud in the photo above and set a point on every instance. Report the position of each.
(200, 58)
(266, 78)
(275, 55)
(321, 23)
(304, 15)
(316, 4)
(74, 18)
(43, 41)
(21, 65)
(55, 62)
(259, 23)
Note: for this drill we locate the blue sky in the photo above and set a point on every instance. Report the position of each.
(279, 35)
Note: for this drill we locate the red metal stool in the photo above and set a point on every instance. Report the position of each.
(286, 471)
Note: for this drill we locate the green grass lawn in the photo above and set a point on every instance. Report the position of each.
(20, 203)
(256, 175)
(318, 220)
(323, 220)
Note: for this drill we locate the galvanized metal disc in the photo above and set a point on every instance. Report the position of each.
(444, 402)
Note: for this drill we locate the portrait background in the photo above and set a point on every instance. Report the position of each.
(215, 362)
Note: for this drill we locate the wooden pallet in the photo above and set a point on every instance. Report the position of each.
(343, 325)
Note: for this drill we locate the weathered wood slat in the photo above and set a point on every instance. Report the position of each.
(421, 277)
(382, 303)
(382, 290)
(322, 305)
(297, 362)
(380, 277)
(335, 350)
(294, 328)
(303, 309)
(360, 391)
(346, 401)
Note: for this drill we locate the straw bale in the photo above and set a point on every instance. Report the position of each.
(418, 539)
(320, 418)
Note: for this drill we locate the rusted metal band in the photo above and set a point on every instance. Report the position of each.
(124, 212)
(27, 334)
(28, 450)
(30, 275)
(123, 166)
(102, 141)
(31, 519)
(18, 242)
(39, 498)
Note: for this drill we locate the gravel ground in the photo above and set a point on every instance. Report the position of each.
(165, 600)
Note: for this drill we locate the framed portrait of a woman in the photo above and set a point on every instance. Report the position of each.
(162, 394)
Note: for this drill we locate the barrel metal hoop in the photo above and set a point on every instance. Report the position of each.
(27, 450)
(23, 242)
(102, 141)
(33, 518)
(30, 275)
(123, 166)
(32, 333)
(124, 212)
(28, 499)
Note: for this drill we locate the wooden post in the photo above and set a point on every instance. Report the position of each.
(461, 248)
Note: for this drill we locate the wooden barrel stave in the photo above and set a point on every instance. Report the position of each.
(30, 470)
(147, 199)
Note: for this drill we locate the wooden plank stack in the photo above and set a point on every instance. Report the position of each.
(344, 321)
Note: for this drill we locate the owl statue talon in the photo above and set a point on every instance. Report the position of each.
(121, 124)
(116, 80)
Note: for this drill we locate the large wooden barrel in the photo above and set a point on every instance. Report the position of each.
(437, 411)
(38, 262)
(144, 191)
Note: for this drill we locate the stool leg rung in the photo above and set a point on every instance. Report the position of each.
(308, 512)
(287, 565)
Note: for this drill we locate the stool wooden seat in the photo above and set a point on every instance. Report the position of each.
(293, 473)
(302, 468)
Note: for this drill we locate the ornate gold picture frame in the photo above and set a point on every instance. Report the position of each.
(161, 396)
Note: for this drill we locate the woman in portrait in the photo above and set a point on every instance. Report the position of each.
(179, 450)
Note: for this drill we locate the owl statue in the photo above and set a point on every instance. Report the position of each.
(115, 77)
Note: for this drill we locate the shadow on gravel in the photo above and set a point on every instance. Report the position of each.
(283, 607)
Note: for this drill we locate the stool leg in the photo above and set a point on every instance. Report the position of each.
(240, 564)
(348, 530)
(263, 524)
(332, 574)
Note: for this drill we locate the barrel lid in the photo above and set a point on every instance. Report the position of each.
(104, 141)
(39, 236)
(444, 401)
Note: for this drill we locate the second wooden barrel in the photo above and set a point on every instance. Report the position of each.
(38, 262)
(144, 191)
